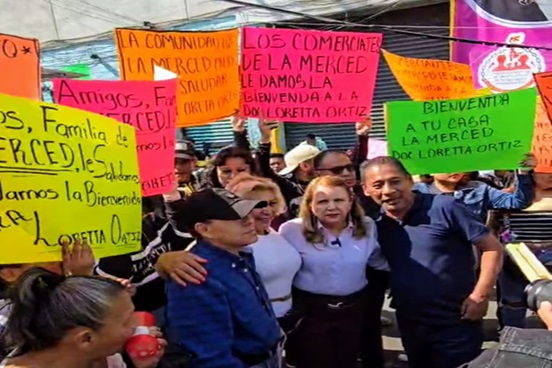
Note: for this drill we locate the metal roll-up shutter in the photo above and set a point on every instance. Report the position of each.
(432, 19)
(219, 134)
(336, 136)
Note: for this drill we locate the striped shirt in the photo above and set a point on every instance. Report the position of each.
(5, 309)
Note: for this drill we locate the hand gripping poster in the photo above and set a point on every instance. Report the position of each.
(524, 22)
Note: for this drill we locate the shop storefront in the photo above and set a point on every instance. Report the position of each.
(432, 19)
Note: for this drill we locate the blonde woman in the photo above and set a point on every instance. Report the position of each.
(276, 260)
(336, 243)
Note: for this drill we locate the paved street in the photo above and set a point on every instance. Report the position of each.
(392, 341)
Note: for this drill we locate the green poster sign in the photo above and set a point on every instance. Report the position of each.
(448, 136)
(83, 69)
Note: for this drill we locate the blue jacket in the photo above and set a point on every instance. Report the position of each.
(227, 316)
(480, 197)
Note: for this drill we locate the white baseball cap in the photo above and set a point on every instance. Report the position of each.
(298, 155)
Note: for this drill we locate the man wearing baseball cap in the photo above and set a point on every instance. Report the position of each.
(299, 171)
(227, 321)
(184, 166)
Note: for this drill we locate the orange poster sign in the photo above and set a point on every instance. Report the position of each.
(205, 62)
(542, 139)
(428, 79)
(544, 85)
(20, 67)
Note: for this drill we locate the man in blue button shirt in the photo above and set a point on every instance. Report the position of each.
(227, 321)
(480, 197)
(427, 240)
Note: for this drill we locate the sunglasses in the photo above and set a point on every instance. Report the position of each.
(336, 170)
(262, 204)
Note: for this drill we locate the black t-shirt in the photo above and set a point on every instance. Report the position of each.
(158, 237)
(431, 258)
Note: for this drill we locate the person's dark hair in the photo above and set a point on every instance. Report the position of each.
(45, 306)
(277, 155)
(311, 136)
(322, 155)
(382, 160)
(223, 155)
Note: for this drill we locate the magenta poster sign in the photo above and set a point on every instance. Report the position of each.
(502, 69)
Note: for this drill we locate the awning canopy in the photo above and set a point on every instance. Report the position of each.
(59, 22)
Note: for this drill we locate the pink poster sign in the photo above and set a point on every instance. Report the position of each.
(308, 76)
(146, 105)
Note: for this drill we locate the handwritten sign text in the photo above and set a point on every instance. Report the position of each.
(308, 76)
(65, 174)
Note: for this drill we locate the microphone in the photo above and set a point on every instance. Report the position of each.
(336, 243)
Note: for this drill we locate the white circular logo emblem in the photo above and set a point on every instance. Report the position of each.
(510, 68)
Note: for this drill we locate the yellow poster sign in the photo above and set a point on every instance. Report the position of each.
(65, 174)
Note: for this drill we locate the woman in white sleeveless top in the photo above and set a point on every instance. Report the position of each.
(276, 260)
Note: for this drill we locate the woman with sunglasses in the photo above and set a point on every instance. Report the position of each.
(276, 260)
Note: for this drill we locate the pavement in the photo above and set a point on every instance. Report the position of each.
(392, 342)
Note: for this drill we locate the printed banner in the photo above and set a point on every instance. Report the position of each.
(376, 147)
(206, 62)
(308, 76)
(20, 67)
(480, 133)
(66, 174)
(427, 79)
(502, 69)
(150, 107)
(542, 140)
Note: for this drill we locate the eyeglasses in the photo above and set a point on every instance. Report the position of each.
(336, 170)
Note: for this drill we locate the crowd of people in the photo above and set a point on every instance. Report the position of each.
(261, 256)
